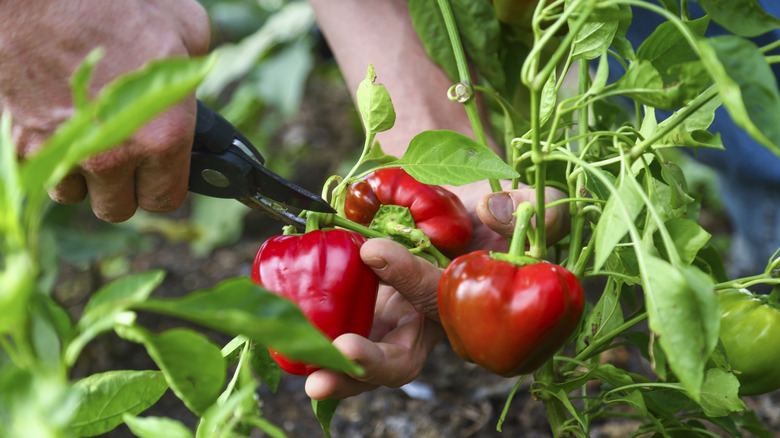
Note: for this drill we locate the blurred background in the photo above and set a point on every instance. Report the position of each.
(276, 81)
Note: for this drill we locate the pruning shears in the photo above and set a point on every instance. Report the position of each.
(224, 164)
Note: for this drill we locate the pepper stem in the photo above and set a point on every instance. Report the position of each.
(324, 219)
(523, 214)
(516, 253)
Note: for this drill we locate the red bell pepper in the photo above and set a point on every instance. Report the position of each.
(438, 212)
(321, 271)
(509, 319)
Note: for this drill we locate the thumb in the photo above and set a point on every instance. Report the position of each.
(414, 278)
(496, 210)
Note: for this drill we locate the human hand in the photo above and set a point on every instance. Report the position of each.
(406, 326)
(493, 213)
(42, 42)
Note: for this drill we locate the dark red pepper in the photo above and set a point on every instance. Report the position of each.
(507, 318)
(438, 212)
(321, 271)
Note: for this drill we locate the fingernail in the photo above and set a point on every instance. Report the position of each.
(501, 207)
(377, 264)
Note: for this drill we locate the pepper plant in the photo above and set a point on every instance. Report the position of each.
(633, 227)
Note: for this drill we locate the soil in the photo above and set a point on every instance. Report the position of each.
(451, 398)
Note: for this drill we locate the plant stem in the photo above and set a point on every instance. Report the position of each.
(465, 78)
(523, 214)
(675, 120)
(324, 219)
(598, 343)
(539, 247)
(556, 411)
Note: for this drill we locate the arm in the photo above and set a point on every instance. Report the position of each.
(406, 321)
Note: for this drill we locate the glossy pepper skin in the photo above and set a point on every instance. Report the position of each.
(750, 333)
(320, 271)
(438, 212)
(506, 318)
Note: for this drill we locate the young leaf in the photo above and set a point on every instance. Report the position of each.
(746, 84)
(742, 17)
(374, 104)
(238, 306)
(193, 366)
(447, 157)
(106, 397)
(376, 154)
(324, 410)
(156, 427)
(684, 313)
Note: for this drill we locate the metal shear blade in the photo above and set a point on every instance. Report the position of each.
(224, 164)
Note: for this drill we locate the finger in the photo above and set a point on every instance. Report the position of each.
(110, 182)
(393, 362)
(414, 278)
(496, 211)
(161, 179)
(71, 190)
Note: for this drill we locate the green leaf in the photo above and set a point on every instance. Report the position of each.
(265, 367)
(667, 48)
(643, 83)
(447, 157)
(193, 366)
(596, 34)
(675, 178)
(376, 154)
(79, 81)
(710, 261)
(218, 421)
(750, 422)
(106, 397)
(374, 104)
(742, 17)
(684, 312)
(620, 42)
(605, 316)
(619, 213)
(324, 410)
(156, 427)
(719, 393)
(688, 237)
(238, 306)
(480, 34)
(107, 303)
(746, 84)
(117, 112)
(692, 132)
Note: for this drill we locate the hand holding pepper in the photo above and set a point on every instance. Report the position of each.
(406, 320)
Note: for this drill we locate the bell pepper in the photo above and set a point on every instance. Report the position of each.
(505, 317)
(750, 334)
(321, 272)
(438, 212)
